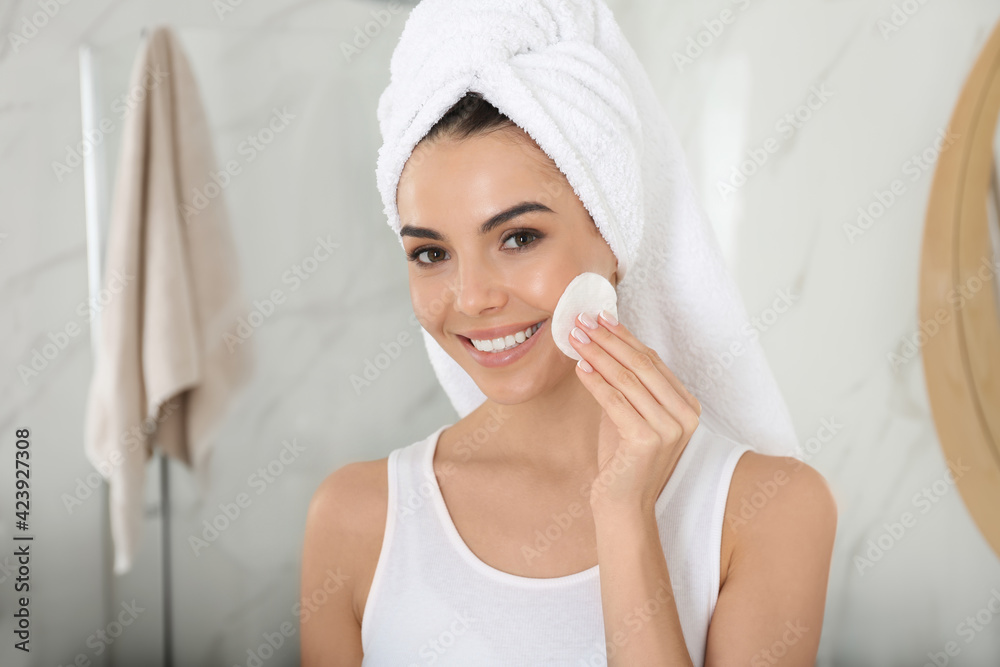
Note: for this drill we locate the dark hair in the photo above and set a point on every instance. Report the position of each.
(469, 116)
(473, 115)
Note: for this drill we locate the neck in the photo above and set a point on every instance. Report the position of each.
(557, 430)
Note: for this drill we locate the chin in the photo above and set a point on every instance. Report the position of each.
(524, 384)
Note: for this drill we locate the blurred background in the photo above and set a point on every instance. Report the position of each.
(850, 93)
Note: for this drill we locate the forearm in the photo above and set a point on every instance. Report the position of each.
(641, 623)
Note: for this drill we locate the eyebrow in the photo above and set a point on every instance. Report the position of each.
(485, 228)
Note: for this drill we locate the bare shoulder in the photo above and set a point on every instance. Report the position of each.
(780, 525)
(775, 497)
(754, 470)
(343, 529)
(346, 522)
(349, 492)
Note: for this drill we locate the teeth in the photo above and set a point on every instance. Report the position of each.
(507, 342)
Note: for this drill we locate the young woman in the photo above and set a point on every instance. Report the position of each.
(579, 497)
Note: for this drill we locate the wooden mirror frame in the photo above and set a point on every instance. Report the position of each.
(962, 357)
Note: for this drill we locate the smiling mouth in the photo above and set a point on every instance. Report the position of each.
(505, 343)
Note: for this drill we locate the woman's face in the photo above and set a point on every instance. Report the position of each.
(474, 276)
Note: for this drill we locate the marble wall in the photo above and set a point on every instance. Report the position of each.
(847, 101)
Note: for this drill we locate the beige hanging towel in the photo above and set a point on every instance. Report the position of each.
(166, 367)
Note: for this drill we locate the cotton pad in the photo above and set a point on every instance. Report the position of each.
(587, 293)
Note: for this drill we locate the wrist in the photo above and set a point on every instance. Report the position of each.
(624, 533)
(627, 514)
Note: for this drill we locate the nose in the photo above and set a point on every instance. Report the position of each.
(478, 288)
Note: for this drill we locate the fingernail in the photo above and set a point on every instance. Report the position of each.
(578, 334)
(609, 318)
(585, 365)
(588, 320)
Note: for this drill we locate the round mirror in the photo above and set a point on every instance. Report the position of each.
(959, 306)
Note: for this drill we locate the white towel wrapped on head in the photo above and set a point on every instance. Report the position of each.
(563, 71)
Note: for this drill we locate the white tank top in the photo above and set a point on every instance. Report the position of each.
(433, 601)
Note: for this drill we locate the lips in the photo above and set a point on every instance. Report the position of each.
(504, 357)
(497, 332)
(508, 342)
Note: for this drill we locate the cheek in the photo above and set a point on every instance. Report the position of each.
(541, 285)
(420, 301)
(431, 299)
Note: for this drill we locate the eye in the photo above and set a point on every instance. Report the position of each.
(520, 234)
(432, 250)
(522, 239)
